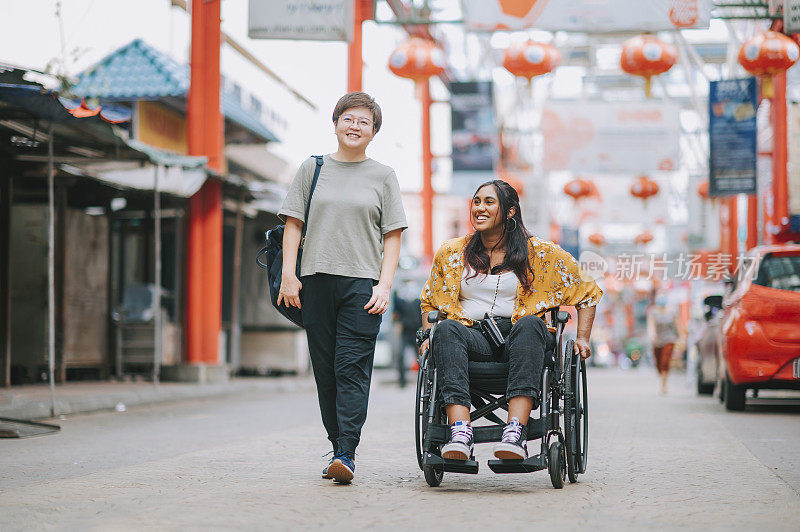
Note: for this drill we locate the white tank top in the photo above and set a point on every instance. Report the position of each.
(477, 294)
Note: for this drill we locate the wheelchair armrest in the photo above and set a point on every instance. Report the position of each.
(562, 316)
(435, 315)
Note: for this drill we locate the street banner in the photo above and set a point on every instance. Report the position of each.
(591, 16)
(611, 137)
(732, 137)
(794, 159)
(474, 135)
(316, 20)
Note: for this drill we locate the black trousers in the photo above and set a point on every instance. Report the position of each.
(341, 340)
(455, 344)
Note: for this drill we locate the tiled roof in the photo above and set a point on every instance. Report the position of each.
(138, 71)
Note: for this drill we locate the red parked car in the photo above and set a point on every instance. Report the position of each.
(759, 328)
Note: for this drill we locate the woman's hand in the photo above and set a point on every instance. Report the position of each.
(290, 290)
(379, 302)
(583, 348)
(424, 346)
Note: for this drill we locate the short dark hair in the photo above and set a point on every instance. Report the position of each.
(358, 99)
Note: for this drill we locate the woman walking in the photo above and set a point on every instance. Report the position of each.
(666, 332)
(350, 253)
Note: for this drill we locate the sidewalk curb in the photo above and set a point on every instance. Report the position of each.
(28, 408)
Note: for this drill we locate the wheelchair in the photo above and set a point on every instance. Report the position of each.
(562, 425)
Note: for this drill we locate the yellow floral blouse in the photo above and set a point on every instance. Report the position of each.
(557, 282)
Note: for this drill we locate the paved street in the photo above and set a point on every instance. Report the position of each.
(252, 462)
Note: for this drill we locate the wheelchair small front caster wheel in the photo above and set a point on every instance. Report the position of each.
(557, 464)
(432, 476)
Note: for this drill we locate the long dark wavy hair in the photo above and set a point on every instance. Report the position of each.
(477, 257)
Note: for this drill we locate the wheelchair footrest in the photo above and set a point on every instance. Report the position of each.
(529, 465)
(452, 466)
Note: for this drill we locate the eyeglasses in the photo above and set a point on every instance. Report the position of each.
(349, 120)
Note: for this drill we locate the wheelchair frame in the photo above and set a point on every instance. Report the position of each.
(563, 398)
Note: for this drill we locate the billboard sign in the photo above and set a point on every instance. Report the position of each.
(611, 137)
(316, 20)
(732, 137)
(473, 135)
(591, 16)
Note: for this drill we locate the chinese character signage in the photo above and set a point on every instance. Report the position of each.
(591, 16)
(318, 20)
(474, 135)
(732, 137)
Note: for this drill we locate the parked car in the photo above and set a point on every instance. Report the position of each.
(759, 329)
(707, 360)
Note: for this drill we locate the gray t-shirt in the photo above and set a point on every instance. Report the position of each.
(353, 206)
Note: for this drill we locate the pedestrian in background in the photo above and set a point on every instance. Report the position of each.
(666, 335)
(406, 314)
(350, 253)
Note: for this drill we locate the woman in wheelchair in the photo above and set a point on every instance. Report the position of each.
(500, 273)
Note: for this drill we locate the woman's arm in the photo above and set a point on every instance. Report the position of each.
(290, 284)
(391, 254)
(585, 321)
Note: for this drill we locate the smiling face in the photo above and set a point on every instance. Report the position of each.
(486, 212)
(354, 129)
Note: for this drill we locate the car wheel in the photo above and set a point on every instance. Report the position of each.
(734, 395)
(702, 387)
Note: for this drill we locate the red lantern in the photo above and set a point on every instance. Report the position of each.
(768, 54)
(530, 59)
(597, 239)
(644, 188)
(643, 238)
(647, 56)
(417, 59)
(579, 189)
(702, 190)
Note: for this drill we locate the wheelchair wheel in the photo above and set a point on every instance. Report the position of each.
(432, 476)
(556, 464)
(419, 418)
(576, 420)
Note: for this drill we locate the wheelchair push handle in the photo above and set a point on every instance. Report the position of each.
(562, 316)
(436, 315)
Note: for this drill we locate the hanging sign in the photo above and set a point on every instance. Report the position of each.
(611, 136)
(316, 20)
(732, 137)
(473, 135)
(791, 16)
(591, 16)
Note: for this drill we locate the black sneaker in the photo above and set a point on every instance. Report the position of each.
(513, 445)
(460, 445)
(342, 468)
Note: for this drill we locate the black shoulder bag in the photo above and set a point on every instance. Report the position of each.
(273, 254)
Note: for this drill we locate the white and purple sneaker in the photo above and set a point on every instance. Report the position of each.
(460, 445)
(513, 445)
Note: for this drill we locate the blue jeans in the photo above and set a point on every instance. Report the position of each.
(454, 345)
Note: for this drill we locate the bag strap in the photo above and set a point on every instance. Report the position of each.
(311, 193)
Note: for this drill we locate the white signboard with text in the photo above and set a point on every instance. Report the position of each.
(592, 16)
(317, 20)
(611, 137)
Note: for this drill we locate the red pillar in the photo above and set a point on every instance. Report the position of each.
(204, 131)
(780, 186)
(752, 221)
(427, 171)
(355, 60)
